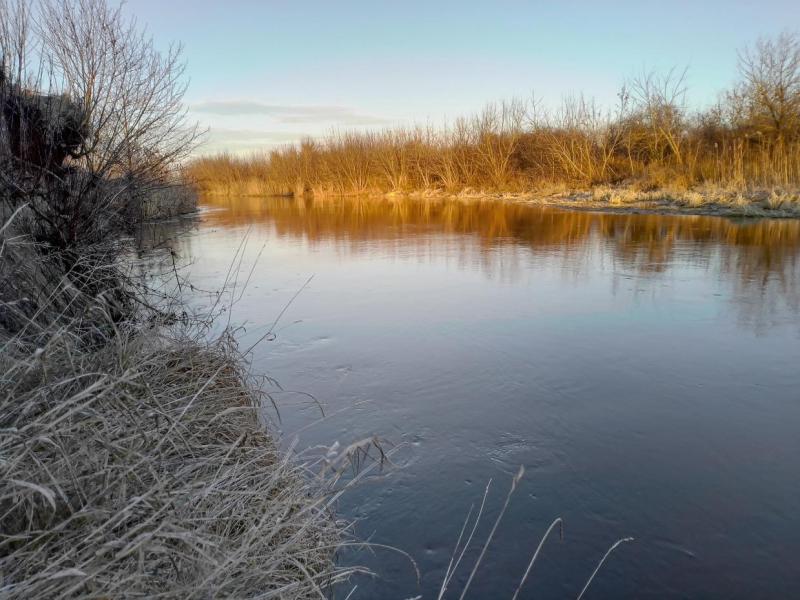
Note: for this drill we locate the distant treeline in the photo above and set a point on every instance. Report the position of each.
(650, 140)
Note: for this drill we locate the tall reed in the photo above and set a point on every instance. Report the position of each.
(575, 152)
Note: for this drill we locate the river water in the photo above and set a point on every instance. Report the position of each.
(642, 368)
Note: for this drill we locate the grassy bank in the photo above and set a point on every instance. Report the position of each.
(699, 200)
(134, 459)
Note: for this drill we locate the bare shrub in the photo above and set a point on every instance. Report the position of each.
(767, 100)
(92, 115)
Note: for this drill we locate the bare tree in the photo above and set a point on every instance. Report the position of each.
(660, 101)
(499, 128)
(768, 99)
(38, 130)
(582, 139)
(131, 94)
(85, 85)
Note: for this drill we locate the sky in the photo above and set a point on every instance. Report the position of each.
(267, 73)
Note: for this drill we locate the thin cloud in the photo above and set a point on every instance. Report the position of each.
(287, 113)
(245, 140)
(248, 135)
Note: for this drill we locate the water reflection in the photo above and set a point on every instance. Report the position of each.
(759, 256)
(641, 367)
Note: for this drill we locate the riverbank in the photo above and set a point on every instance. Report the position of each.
(710, 200)
(135, 458)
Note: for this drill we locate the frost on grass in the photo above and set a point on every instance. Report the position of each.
(133, 461)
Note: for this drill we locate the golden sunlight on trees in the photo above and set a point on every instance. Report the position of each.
(767, 101)
(651, 140)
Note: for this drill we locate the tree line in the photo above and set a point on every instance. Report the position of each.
(651, 139)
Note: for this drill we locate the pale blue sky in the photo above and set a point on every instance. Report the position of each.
(269, 72)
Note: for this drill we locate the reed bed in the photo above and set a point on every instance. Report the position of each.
(163, 201)
(538, 161)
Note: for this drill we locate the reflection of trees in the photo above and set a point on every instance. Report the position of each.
(761, 257)
(155, 235)
(161, 251)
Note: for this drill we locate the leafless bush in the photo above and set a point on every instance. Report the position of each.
(87, 101)
(767, 100)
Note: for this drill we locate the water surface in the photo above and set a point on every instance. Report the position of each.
(643, 369)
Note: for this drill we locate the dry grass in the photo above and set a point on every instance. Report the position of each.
(133, 461)
(463, 544)
(703, 198)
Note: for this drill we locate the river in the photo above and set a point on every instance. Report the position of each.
(642, 368)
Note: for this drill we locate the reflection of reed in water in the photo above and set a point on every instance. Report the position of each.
(760, 256)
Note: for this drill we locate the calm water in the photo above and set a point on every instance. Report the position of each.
(644, 370)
